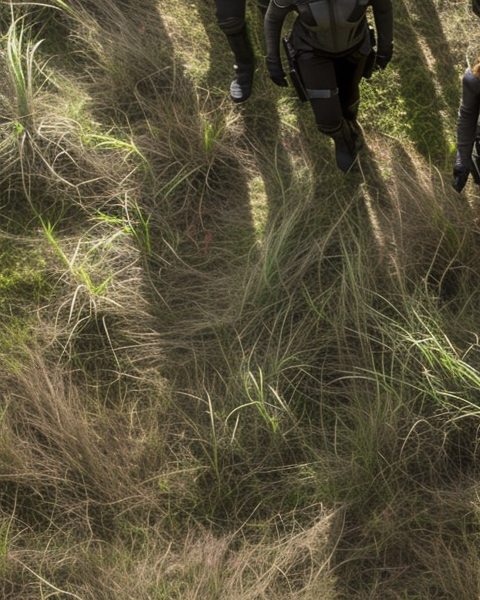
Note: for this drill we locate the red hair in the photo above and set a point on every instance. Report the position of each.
(476, 69)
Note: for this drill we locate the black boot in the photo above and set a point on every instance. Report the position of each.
(357, 134)
(461, 172)
(241, 86)
(345, 150)
(350, 116)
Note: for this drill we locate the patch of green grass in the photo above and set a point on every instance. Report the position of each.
(23, 278)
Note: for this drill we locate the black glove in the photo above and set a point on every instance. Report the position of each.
(276, 73)
(280, 81)
(460, 177)
(382, 59)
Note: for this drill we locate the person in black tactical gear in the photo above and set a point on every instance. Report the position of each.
(231, 20)
(468, 127)
(467, 159)
(332, 43)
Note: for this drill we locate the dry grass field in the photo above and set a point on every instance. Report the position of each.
(229, 371)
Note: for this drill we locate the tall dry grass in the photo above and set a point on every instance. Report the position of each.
(228, 371)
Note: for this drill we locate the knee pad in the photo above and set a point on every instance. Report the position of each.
(232, 25)
(321, 94)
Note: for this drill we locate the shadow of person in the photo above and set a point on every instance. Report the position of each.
(364, 182)
(186, 196)
(259, 115)
(431, 224)
(441, 58)
(221, 60)
(428, 82)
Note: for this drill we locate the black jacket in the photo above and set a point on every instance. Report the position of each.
(333, 27)
(467, 123)
(476, 7)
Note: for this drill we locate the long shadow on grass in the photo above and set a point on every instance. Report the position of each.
(426, 93)
(430, 27)
(195, 199)
(263, 125)
(221, 60)
(436, 226)
(195, 186)
(260, 115)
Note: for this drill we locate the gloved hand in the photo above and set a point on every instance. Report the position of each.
(277, 75)
(382, 59)
(460, 177)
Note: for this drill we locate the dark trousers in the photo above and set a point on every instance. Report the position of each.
(476, 158)
(333, 84)
(228, 9)
(231, 20)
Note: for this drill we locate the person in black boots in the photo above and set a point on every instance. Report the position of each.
(467, 159)
(231, 20)
(332, 42)
(468, 127)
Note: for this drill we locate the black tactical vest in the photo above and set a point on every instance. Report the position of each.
(329, 25)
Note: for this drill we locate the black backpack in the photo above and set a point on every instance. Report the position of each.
(476, 7)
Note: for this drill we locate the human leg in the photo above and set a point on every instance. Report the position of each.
(231, 20)
(349, 71)
(320, 80)
(262, 6)
(467, 119)
(475, 160)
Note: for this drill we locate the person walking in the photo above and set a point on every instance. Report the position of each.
(331, 41)
(467, 158)
(468, 128)
(230, 15)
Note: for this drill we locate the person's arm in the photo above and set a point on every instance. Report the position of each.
(468, 116)
(466, 128)
(383, 15)
(274, 19)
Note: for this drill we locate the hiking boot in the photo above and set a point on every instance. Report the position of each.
(460, 177)
(345, 147)
(357, 134)
(241, 86)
